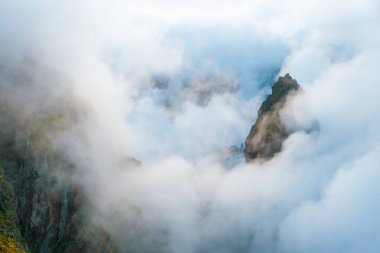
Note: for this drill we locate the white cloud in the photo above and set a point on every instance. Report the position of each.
(318, 194)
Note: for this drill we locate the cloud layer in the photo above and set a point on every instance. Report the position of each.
(173, 84)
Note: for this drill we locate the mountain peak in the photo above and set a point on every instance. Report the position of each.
(268, 133)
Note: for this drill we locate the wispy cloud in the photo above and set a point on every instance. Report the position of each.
(173, 83)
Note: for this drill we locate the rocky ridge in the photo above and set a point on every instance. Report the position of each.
(269, 132)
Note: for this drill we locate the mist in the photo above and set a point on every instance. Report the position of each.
(174, 85)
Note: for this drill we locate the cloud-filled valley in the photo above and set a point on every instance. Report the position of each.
(146, 99)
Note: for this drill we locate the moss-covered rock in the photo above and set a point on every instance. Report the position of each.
(10, 237)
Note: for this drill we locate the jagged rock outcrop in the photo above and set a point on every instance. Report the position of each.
(268, 133)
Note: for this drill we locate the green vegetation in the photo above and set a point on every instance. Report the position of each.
(280, 90)
(10, 238)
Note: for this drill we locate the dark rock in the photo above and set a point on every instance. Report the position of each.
(38, 213)
(268, 133)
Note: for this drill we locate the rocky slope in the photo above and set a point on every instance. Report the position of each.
(40, 212)
(42, 207)
(268, 132)
(10, 236)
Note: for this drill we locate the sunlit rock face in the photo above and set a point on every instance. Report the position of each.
(269, 132)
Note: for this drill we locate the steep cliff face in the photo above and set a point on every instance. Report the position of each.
(40, 211)
(268, 133)
(42, 207)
